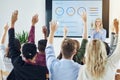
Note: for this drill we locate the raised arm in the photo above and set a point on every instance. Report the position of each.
(116, 26)
(31, 37)
(50, 54)
(114, 35)
(84, 18)
(80, 54)
(53, 28)
(3, 37)
(14, 51)
(65, 30)
(115, 57)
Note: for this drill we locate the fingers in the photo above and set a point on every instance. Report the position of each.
(35, 19)
(14, 18)
(65, 30)
(6, 27)
(53, 26)
(84, 16)
(44, 30)
(15, 12)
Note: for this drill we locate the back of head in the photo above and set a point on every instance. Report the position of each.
(77, 44)
(95, 58)
(68, 46)
(29, 50)
(42, 45)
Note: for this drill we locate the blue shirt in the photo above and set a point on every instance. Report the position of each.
(63, 69)
(101, 35)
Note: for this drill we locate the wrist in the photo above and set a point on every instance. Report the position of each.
(12, 25)
(5, 31)
(51, 33)
(33, 24)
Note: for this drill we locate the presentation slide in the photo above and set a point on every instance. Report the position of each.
(68, 13)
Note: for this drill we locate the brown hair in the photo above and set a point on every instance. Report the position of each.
(68, 46)
(77, 44)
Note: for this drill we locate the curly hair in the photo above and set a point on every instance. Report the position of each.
(95, 58)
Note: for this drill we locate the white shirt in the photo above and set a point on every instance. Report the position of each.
(111, 67)
(5, 62)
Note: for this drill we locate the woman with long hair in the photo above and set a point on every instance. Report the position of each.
(97, 65)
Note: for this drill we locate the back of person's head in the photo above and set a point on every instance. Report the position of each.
(68, 47)
(29, 50)
(107, 48)
(17, 47)
(42, 45)
(77, 44)
(95, 58)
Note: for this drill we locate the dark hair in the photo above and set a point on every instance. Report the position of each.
(59, 56)
(68, 46)
(29, 50)
(107, 48)
(42, 45)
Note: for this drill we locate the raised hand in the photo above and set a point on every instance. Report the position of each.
(84, 17)
(116, 26)
(6, 27)
(14, 18)
(53, 26)
(3, 37)
(35, 19)
(44, 30)
(65, 32)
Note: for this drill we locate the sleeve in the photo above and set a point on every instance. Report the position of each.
(31, 37)
(2, 49)
(103, 35)
(14, 51)
(115, 57)
(112, 39)
(80, 55)
(92, 35)
(50, 56)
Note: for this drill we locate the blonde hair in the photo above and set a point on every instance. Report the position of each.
(101, 25)
(95, 58)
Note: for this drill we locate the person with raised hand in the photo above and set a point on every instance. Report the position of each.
(98, 66)
(79, 56)
(114, 35)
(40, 58)
(31, 36)
(24, 63)
(5, 61)
(66, 68)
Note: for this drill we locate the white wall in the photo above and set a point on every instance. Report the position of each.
(114, 10)
(27, 8)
